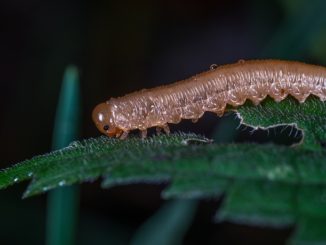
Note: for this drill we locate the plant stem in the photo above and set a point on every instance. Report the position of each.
(168, 225)
(62, 209)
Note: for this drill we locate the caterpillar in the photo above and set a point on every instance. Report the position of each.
(210, 91)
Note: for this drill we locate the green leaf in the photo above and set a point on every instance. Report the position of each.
(269, 185)
(89, 159)
(274, 203)
(309, 116)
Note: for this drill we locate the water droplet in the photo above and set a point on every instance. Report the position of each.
(213, 66)
(241, 61)
(16, 179)
(62, 183)
(30, 174)
(45, 188)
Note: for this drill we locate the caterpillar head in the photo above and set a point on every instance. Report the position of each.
(102, 117)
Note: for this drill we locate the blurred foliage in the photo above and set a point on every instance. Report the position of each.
(304, 25)
(264, 184)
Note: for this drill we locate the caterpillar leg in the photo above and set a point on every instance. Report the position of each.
(143, 133)
(194, 120)
(118, 134)
(166, 129)
(124, 135)
(158, 130)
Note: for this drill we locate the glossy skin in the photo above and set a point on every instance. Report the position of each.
(102, 118)
(209, 91)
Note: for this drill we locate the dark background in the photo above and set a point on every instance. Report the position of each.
(119, 47)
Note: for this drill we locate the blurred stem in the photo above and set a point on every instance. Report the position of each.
(168, 225)
(62, 209)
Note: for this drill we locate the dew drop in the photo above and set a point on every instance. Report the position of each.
(16, 179)
(213, 66)
(45, 188)
(30, 174)
(62, 183)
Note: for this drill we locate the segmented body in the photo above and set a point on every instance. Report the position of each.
(210, 91)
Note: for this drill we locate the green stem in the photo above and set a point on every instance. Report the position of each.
(168, 225)
(63, 203)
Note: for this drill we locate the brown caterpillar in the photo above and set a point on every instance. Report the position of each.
(209, 91)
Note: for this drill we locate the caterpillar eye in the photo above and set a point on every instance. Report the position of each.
(106, 127)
